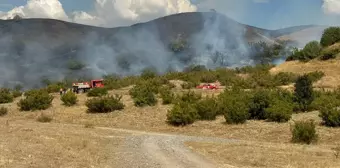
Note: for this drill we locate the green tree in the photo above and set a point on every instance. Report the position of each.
(330, 36)
(304, 92)
(312, 50)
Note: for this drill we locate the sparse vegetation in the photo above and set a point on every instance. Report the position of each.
(182, 113)
(304, 92)
(36, 100)
(3, 111)
(5, 96)
(69, 99)
(167, 95)
(207, 108)
(44, 118)
(104, 104)
(304, 132)
(143, 94)
(97, 92)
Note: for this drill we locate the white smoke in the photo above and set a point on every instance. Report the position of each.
(331, 6)
(107, 13)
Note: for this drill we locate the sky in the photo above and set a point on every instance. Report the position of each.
(269, 14)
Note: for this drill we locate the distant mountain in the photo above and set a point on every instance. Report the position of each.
(35, 48)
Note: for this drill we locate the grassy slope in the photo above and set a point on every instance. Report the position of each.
(331, 68)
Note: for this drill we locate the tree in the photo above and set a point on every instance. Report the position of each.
(312, 50)
(330, 36)
(304, 92)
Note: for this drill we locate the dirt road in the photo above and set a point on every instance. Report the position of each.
(153, 150)
(135, 148)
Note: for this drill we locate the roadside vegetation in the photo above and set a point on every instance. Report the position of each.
(325, 50)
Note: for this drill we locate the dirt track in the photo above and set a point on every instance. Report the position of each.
(137, 148)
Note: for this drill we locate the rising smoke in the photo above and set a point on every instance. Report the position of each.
(219, 42)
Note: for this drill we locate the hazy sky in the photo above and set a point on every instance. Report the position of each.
(271, 14)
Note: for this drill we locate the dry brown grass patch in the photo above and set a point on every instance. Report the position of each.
(256, 154)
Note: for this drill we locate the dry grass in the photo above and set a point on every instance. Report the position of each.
(261, 135)
(331, 68)
(154, 119)
(269, 155)
(26, 144)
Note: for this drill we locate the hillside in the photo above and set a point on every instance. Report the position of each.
(37, 48)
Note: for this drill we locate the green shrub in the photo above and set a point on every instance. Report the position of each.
(237, 112)
(330, 36)
(69, 99)
(304, 92)
(182, 113)
(328, 54)
(315, 76)
(3, 111)
(234, 105)
(325, 99)
(96, 92)
(189, 97)
(104, 104)
(54, 87)
(16, 93)
(36, 100)
(167, 95)
(148, 74)
(258, 103)
(188, 85)
(143, 95)
(5, 96)
(285, 78)
(304, 132)
(312, 50)
(207, 108)
(330, 116)
(208, 77)
(297, 55)
(279, 111)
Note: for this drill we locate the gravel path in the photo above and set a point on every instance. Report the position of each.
(158, 150)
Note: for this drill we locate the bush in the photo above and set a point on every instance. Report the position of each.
(328, 54)
(96, 92)
(5, 96)
(330, 36)
(182, 113)
(315, 76)
(104, 104)
(167, 95)
(297, 55)
(285, 78)
(189, 85)
(36, 100)
(330, 116)
(189, 97)
(237, 112)
(304, 132)
(69, 99)
(279, 111)
(3, 111)
(258, 103)
(304, 92)
(233, 104)
(143, 95)
(16, 93)
(207, 108)
(312, 50)
(148, 74)
(325, 100)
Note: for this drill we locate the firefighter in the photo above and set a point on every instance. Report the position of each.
(61, 91)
